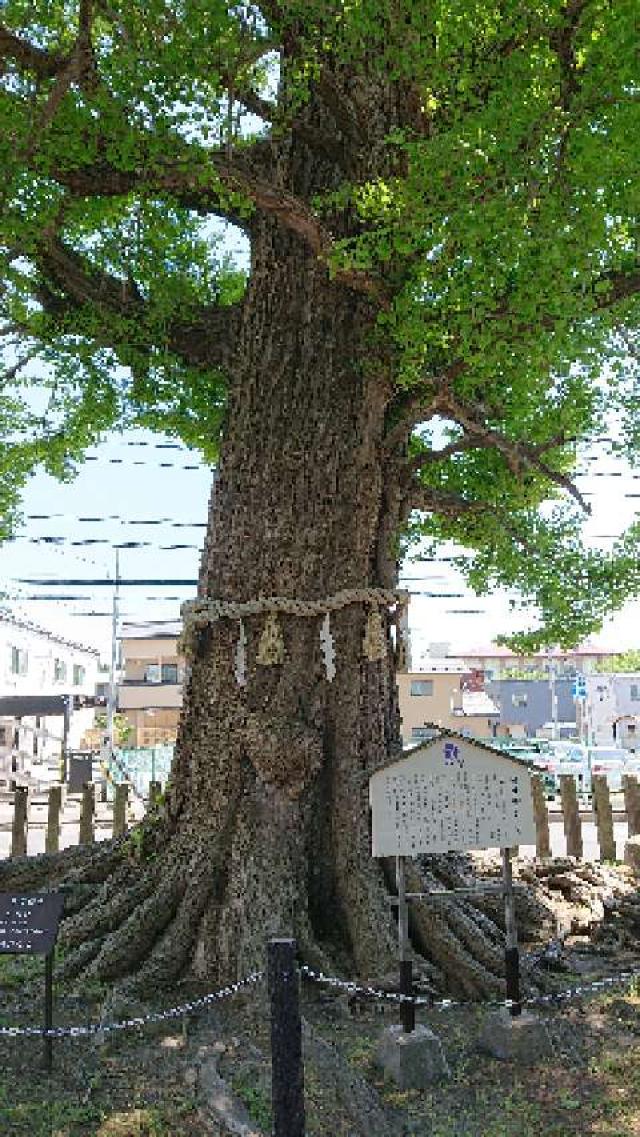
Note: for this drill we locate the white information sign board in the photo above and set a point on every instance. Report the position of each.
(450, 794)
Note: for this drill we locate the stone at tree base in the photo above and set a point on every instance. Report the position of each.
(632, 853)
(414, 1060)
(521, 1039)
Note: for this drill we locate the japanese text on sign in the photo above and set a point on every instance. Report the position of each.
(29, 924)
(450, 796)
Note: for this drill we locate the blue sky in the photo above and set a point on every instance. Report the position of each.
(128, 479)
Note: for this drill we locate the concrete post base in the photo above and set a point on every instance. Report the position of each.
(521, 1039)
(413, 1061)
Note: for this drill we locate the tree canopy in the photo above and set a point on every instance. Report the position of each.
(475, 177)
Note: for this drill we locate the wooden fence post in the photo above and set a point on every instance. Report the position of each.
(120, 805)
(632, 803)
(604, 817)
(287, 1072)
(87, 814)
(571, 817)
(52, 839)
(19, 827)
(541, 817)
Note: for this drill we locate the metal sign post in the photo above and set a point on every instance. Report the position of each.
(407, 1010)
(511, 955)
(29, 926)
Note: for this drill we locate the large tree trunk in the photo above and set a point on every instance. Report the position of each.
(265, 829)
(267, 815)
(275, 773)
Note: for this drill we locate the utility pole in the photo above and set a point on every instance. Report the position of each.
(112, 698)
(551, 666)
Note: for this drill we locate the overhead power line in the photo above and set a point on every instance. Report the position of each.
(99, 519)
(106, 582)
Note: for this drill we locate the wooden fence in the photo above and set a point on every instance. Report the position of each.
(30, 812)
(90, 815)
(601, 813)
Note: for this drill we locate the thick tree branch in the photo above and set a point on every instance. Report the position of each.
(518, 454)
(44, 64)
(562, 42)
(68, 283)
(238, 174)
(428, 499)
(429, 457)
(620, 285)
(7, 376)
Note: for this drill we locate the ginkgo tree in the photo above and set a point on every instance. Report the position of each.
(440, 205)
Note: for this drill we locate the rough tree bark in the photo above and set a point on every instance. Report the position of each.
(265, 828)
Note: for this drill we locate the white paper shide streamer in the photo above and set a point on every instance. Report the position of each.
(328, 648)
(240, 661)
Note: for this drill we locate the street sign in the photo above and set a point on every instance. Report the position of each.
(29, 926)
(451, 794)
(579, 687)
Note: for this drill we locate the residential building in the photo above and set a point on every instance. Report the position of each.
(39, 670)
(610, 713)
(501, 663)
(526, 706)
(443, 697)
(150, 690)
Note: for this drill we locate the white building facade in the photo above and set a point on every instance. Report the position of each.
(36, 663)
(611, 711)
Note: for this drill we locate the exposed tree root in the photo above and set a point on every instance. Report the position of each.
(198, 897)
(79, 864)
(132, 941)
(437, 936)
(113, 903)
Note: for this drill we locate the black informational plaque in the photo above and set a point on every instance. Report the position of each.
(29, 924)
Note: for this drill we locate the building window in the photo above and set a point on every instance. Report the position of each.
(169, 672)
(634, 692)
(153, 673)
(19, 661)
(3, 736)
(631, 728)
(422, 686)
(59, 671)
(519, 698)
(79, 674)
(422, 733)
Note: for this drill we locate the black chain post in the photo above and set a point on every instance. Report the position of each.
(47, 1054)
(287, 1072)
(407, 1010)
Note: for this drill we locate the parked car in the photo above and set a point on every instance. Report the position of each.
(564, 757)
(610, 761)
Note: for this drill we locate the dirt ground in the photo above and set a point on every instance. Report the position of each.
(208, 1073)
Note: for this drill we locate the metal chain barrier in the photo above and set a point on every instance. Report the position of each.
(350, 988)
(128, 1024)
(622, 978)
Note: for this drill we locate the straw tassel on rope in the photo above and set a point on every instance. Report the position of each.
(374, 645)
(271, 646)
